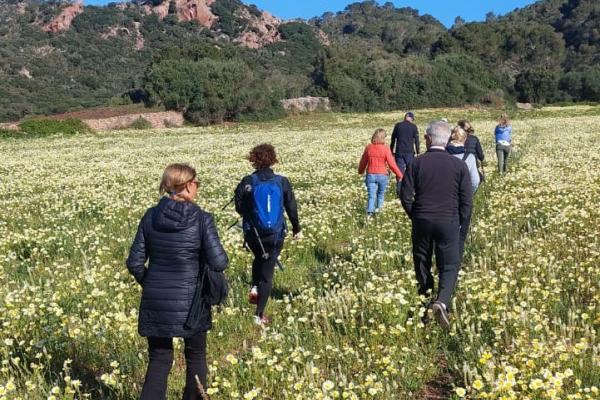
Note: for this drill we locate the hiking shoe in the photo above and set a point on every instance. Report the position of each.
(440, 314)
(261, 321)
(253, 295)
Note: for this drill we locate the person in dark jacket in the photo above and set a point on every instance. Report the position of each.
(266, 249)
(473, 146)
(405, 141)
(436, 195)
(178, 239)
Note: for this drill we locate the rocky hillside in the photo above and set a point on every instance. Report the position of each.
(58, 55)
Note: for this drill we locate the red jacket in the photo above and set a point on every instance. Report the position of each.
(378, 157)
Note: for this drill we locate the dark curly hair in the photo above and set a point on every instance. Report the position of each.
(262, 156)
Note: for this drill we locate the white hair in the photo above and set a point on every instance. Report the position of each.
(439, 131)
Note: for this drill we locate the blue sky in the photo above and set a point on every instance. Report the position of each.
(444, 10)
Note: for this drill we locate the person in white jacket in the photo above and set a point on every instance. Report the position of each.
(456, 147)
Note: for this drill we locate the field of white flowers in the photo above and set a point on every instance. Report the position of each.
(346, 318)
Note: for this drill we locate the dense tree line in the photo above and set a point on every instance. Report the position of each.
(379, 58)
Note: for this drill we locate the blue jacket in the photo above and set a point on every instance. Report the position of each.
(179, 239)
(503, 133)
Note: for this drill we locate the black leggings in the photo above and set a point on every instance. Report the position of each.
(161, 359)
(263, 271)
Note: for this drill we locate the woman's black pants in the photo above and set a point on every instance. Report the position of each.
(263, 269)
(160, 363)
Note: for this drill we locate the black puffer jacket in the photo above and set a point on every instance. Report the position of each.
(473, 146)
(178, 239)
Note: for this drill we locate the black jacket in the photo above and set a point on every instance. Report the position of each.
(243, 202)
(179, 239)
(437, 188)
(405, 138)
(473, 146)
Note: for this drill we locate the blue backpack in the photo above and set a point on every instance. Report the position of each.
(267, 206)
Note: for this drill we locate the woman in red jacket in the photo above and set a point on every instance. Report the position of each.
(375, 160)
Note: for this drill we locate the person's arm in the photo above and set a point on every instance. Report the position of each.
(407, 190)
(473, 173)
(394, 139)
(291, 207)
(362, 166)
(479, 151)
(138, 255)
(240, 197)
(211, 248)
(389, 159)
(417, 144)
(465, 194)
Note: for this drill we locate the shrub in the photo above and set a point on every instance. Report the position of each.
(50, 127)
(140, 123)
(213, 91)
(8, 133)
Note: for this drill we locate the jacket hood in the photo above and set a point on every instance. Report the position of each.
(452, 149)
(174, 216)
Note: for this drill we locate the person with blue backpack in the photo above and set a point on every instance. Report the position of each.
(261, 199)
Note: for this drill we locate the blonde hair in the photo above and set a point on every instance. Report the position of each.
(175, 177)
(459, 136)
(378, 136)
(504, 120)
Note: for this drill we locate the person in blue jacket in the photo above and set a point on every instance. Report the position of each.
(503, 134)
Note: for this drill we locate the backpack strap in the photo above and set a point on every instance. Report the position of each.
(465, 156)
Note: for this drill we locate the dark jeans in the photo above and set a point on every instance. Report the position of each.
(161, 359)
(503, 152)
(403, 160)
(263, 270)
(464, 232)
(444, 238)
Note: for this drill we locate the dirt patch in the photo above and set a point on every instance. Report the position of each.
(441, 387)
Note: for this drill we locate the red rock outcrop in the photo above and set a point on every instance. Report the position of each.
(62, 21)
(260, 31)
(186, 10)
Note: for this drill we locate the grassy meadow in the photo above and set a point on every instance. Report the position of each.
(346, 317)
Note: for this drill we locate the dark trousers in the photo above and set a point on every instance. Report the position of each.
(464, 231)
(161, 359)
(263, 269)
(403, 160)
(428, 236)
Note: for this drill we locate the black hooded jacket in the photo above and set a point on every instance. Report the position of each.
(179, 239)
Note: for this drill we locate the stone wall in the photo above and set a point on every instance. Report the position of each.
(167, 119)
(306, 104)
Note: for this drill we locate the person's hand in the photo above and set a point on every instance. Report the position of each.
(298, 236)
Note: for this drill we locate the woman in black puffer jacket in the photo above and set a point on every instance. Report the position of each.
(178, 239)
